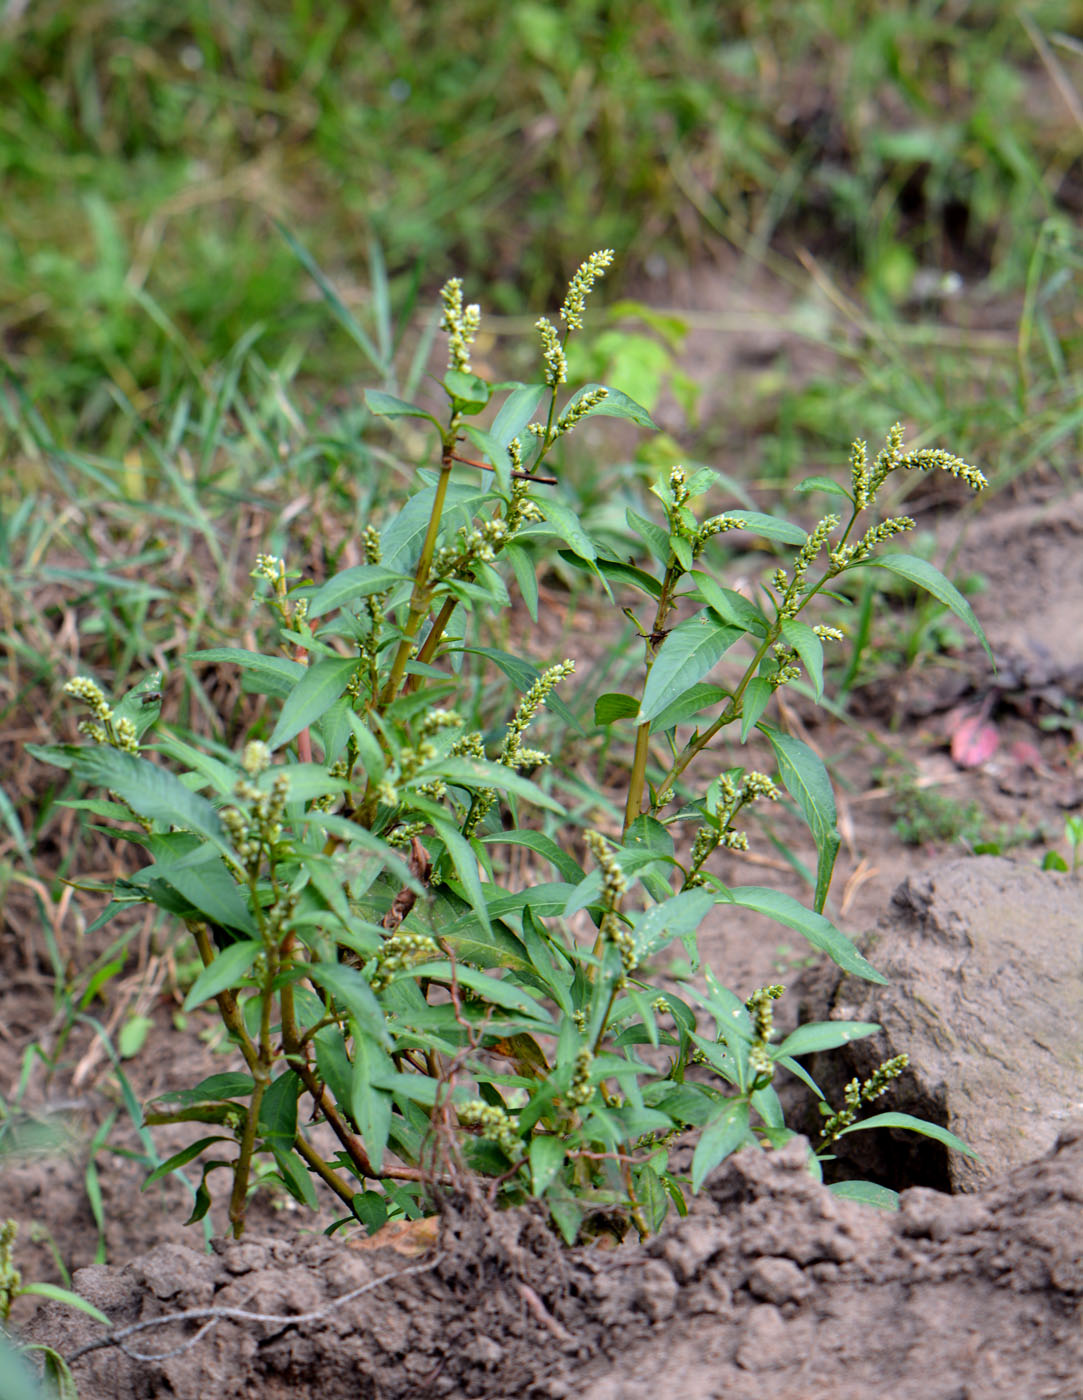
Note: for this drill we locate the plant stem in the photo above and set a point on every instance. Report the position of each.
(637, 780)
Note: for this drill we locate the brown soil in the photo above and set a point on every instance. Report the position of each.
(770, 1284)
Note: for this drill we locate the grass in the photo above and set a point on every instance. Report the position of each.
(145, 150)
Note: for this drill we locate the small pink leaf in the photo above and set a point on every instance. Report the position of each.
(974, 742)
(1026, 755)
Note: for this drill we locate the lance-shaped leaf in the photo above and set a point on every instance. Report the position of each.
(806, 780)
(360, 581)
(149, 790)
(724, 1134)
(820, 932)
(926, 576)
(313, 695)
(684, 658)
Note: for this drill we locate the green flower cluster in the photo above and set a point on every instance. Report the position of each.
(855, 1094)
(104, 728)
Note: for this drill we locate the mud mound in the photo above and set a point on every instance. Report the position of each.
(771, 1284)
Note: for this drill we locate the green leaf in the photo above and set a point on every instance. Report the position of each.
(497, 454)
(617, 570)
(926, 576)
(755, 700)
(149, 790)
(915, 1125)
(523, 675)
(809, 648)
(658, 926)
(516, 411)
(687, 706)
(313, 695)
(465, 864)
(820, 932)
(181, 1158)
(468, 391)
(614, 405)
(278, 668)
(807, 782)
(354, 994)
(500, 993)
(142, 704)
(227, 970)
(401, 538)
(65, 1295)
(568, 867)
(724, 1134)
(370, 1207)
(388, 406)
(478, 773)
(203, 880)
(732, 607)
(653, 536)
(525, 571)
(360, 581)
(546, 1159)
(823, 1035)
(824, 484)
(371, 1106)
(685, 657)
(769, 526)
(866, 1193)
(613, 706)
(565, 523)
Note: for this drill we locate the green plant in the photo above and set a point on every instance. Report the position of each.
(1073, 835)
(56, 1369)
(341, 876)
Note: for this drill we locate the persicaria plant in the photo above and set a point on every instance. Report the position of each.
(405, 1015)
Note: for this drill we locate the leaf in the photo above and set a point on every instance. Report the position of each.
(133, 1036)
(181, 1159)
(468, 391)
(809, 648)
(142, 704)
(388, 406)
(565, 523)
(614, 405)
(732, 607)
(516, 411)
(568, 867)
(65, 1295)
(771, 527)
(724, 1134)
(354, 994)
(151, 791)
(823, 1035)
(866, 1193)
(371, 1106)
(497, 454)
(465, 864)
(401, 538)
(653, 536)
(806, 780)
(276, 667)
(824, 484)
(313, 695)
(477, 773)
(687, 706)
(755, 700)
(523, 567)
(227, 970)
(820, 932)
(915, 1125)
(203, 880)
(613, 706)
(523, 675)
(685, 657)
(973, 739)
(658, 926)
(501, 993)
(361, 581)
(926, 576)
(546, 1159)
(623, 573)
